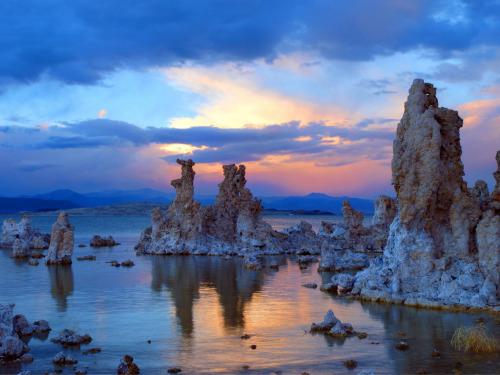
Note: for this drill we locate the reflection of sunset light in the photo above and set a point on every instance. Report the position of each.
(180, 148)
(331, 140)
(475, 113)
(303, 139)
(42, 126)
(235, 99)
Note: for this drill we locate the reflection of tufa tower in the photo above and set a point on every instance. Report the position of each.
(61, 284)
(183, 277)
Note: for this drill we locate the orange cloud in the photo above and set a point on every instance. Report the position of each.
(102, 113)
(475, 113)
(237, 99)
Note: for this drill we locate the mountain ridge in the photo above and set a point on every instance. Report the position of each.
(66, 198)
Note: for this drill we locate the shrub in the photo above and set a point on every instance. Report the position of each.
(475, 338)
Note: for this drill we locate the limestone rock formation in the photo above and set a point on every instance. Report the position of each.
(301, 239)
(98, 241)
(386, 209)
(333, 326)
(232, 225)
(352, 235)
(343, 242)
(443, 246)
(21, 236)
(61, 242)
(11, 346)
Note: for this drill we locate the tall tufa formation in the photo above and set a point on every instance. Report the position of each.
(443, 246)
(232, 225)
(61, 242)
(177, 230)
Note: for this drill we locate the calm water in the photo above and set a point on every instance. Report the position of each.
(194, 309)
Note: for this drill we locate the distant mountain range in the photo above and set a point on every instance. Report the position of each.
(66, 199)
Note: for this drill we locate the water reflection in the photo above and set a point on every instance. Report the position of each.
(184, 276)
(61, 284)
(426, 330)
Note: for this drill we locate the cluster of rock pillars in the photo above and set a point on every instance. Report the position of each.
(436, 245)
(440, 240)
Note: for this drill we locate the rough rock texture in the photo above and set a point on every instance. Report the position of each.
(336, 260)
(232, 225)
(21, 237)
(127, 366)
(98, 241)
(443, 246)
(21, 326)
(11, 347)
(69, 337)
(386, 209)
(301, 239)
(352, 235)
(20, 249)
(62, 241)
(333, 326)
(64, 359)
(343, 281)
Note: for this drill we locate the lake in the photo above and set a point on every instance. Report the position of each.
(194, 310)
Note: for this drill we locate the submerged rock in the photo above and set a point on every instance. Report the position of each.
(62, 241)
(252, 262)
(127, 366)
(444, 244)
(64, 359)
(11, 347)
(98, 241)
(69, 337)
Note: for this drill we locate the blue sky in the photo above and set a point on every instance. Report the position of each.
(102, 95)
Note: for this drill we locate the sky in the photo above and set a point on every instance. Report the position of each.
(307, 94)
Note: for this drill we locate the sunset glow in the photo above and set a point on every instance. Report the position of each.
(309, 104)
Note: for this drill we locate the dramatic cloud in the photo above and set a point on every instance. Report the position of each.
(81, 41)
(307, 94)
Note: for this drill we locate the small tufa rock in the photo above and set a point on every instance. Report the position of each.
(253, 347)
(69, 337)
(245, 337)
(402, 345)
(127, 367)
(86, 257)
(128, 263)
(252, 263)
(63, 359)
(307, 259)
(98, 241)
(310, 285)
(33, 262)
(174, 370)
(274, 265)
(92, 351)
(27, 358)
(350, 363)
